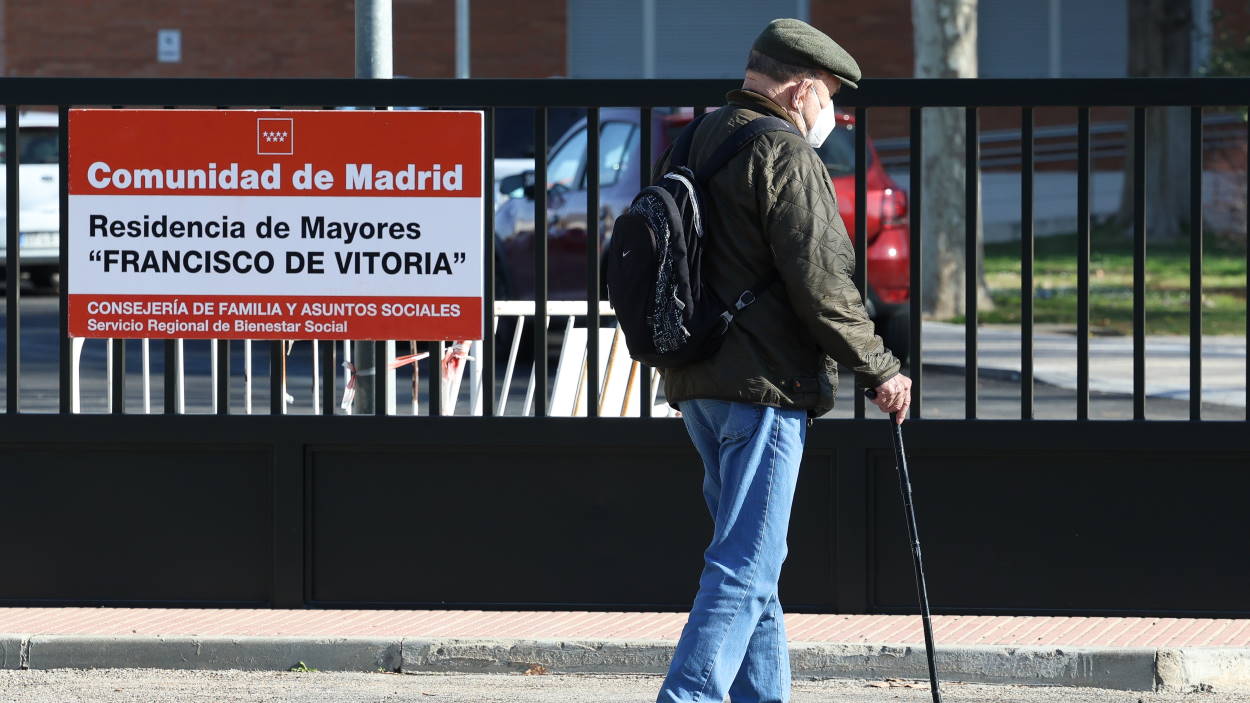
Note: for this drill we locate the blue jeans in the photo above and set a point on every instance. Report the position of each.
(735, 639)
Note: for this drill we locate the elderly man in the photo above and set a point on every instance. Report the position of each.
(748, 407)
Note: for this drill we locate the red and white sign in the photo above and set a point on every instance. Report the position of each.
(267, 224)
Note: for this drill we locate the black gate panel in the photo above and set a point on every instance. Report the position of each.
(617, 526)
(1130, 532)
(1015, 518)
(107, 522)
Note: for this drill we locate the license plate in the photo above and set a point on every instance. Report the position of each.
(40, 240)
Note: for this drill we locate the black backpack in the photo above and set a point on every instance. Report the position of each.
(654, 274)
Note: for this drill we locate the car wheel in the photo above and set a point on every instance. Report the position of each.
(895, 331)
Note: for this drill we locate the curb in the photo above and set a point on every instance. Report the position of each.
(1137, 669)
(13, 650)
(191, 652)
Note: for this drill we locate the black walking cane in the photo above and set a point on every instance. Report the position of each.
(904, 484)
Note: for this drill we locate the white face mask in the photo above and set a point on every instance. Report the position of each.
(825, 122)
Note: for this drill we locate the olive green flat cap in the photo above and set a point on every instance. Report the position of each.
(800, 44)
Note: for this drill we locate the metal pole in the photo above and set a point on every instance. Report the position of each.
(373, 39)
(462, 38)
(1055, 37)
(648, 38)
(373, 60)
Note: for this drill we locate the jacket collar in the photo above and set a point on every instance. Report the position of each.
(759, 103)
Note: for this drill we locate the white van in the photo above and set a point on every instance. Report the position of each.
(40, 196)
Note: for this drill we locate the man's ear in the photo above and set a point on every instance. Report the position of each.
(800, 90)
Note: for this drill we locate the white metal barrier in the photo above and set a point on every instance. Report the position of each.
(618, 375)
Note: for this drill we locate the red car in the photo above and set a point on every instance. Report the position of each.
(888, 249)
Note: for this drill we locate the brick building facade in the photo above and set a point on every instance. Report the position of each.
(314, 38)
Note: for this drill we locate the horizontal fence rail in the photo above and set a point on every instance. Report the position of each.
(320, 377)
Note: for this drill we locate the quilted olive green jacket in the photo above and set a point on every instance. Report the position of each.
(773, 206)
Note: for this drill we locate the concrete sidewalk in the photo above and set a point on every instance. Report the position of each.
(1110, 360)
(1177, 654)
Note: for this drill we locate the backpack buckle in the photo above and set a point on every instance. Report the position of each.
(745, 299)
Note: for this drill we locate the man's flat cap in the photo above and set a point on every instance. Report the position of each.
(800, 44)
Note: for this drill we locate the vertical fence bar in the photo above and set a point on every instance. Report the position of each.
(861, 220)
(592, 262)
(644, 143)
(487, 360)
(13, 266)
(1195, 263)
(172, 362)
(436, 378)
(223, 377)
(117, 396)
(65, 351)
(972, 153)
(1139, 263)
(1247, 381)
(540, 261)
(1026, 263)
(277, 372)
(381, 391)
(327, 376)
(1082, 265)
(916, 164)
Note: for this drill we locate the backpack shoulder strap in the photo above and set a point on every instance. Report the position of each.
(740, 138)
(681, 147)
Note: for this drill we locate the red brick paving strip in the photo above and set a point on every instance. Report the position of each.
(877, 629)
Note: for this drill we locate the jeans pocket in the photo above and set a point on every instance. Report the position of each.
(741, 419)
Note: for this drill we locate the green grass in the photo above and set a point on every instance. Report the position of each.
(1111, 284)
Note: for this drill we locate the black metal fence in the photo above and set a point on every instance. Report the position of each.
(304, 511)
(1026, 95)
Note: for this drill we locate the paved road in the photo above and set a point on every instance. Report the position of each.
(159, 686)
(943, 396)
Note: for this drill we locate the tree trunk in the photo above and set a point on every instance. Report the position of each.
(945, 37)
(1160, 44)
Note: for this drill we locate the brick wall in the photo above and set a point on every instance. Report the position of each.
(880, 41)
(879, 38)
(274, 38)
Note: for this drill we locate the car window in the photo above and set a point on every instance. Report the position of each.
(617, 146)
(838, 151)
(565, 165)
(35, 146)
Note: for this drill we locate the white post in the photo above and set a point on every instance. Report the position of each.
(247, 377)
(75, 376)
(182, 379)
(316, 378)
(212, 384)
(147, 377)
(462, 38)
(108, 374)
